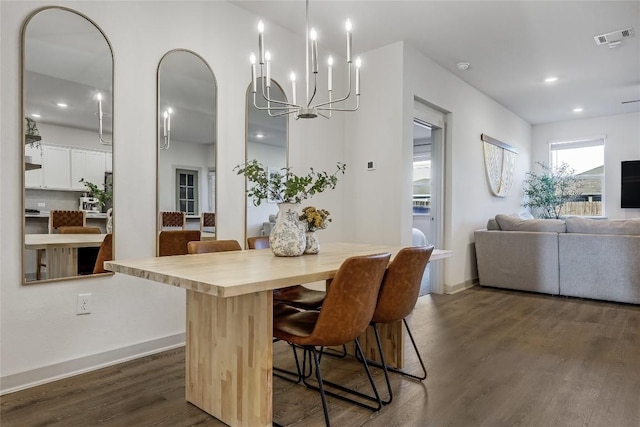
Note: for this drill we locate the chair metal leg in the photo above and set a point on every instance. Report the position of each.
(294, 377)
(376, 399)
(400, 371)
(383, 363)
(325, 409)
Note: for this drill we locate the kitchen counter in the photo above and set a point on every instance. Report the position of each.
(45, 214)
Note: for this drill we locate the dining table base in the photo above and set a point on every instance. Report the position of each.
(229, 356)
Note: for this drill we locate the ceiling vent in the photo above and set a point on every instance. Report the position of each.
(614, 38)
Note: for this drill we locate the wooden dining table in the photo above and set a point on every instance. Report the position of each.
(229, 319)
(62, 250)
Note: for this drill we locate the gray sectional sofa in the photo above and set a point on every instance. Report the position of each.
(577, 257)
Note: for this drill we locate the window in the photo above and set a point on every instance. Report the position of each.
(586, 158)
(187, 191)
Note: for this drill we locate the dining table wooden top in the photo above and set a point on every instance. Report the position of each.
(233, 273)
(47, 241)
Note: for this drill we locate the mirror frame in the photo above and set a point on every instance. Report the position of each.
(22, 142)
(158, 117)
(246, 148)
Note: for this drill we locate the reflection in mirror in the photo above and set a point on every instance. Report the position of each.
(67, 78)
(186, 186)
(266, 142)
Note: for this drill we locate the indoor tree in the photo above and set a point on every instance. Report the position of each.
(550, 190)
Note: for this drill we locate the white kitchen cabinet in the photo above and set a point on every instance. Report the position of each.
(56, 167)
(89, 165)
(33, 156)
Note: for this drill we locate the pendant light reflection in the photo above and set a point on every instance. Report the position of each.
(166, 132)
(100, 117)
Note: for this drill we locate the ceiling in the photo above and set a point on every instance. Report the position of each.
(512, 46)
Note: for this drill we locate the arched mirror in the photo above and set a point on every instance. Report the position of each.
(187, 111)
(67, 87)
(267, 142)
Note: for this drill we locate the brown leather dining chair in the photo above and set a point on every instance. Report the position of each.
(104, 254)
(174, 242)
(398, 296)
(296, 296)
(345, 314)
(209, 246)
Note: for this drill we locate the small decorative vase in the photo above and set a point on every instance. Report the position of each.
(313, 245)
(287, 237)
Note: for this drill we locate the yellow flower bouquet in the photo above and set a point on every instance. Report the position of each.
(316, 219)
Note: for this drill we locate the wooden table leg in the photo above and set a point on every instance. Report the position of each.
(229, 357)
(392, 338)
(61, 262)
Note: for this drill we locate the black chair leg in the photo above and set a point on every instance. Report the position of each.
(294, 377)
(383, 363)
(400, 371)
(375, 398)
(325, 409)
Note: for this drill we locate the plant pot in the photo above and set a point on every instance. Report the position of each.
(287, 237)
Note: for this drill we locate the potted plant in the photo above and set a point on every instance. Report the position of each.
(101, 196)
(550, 190)
(287, 189)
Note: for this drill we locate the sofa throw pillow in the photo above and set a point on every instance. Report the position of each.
(492, 224)
(510, 223)
(603, 226)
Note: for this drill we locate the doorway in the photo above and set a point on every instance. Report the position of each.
(428, 188)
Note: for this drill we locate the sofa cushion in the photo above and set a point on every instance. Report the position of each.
(510, 223)
(599, 226)
(492, 224)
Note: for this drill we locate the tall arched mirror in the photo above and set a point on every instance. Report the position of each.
(187, 111)
(267, 142)
(67, 87)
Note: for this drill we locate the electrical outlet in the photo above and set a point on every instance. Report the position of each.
(84, 304)
(371, 166)
(41, 204)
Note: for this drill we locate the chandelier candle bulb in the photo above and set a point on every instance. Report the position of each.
(165, 124)
(330, 73)
(314, 50)
(293, 87)
(252, 59)
(358, 64)
(348, 26)
(267, 57)
(261, 41)
(169, 111)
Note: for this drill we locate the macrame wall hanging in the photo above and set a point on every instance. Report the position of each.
(500, 163)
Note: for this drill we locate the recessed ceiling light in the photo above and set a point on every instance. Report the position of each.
(551, 79)
(259, 135)
(37, 116)
(463, 65)
(577, 110)
(62, 105)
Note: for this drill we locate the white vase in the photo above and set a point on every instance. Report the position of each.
(287, 236)
(312, 245)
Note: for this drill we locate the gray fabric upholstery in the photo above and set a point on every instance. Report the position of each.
(597, 226)
(511, 223)
(518, 260)
(605, 267)
(492, 224)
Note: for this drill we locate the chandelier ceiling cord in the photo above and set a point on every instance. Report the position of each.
(303, 110)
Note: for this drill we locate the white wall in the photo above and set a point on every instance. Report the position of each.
(41, 334)
(383, 131)
(183, 155)
(622, 133)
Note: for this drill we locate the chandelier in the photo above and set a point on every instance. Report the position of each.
(305, 109)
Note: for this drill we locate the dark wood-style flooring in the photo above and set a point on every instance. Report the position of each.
(495, 358)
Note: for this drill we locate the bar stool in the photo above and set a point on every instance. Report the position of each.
(345, 314)
(173, 220)
(57, 219)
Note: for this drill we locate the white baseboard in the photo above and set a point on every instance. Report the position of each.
(454, 289)
(47, 374)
